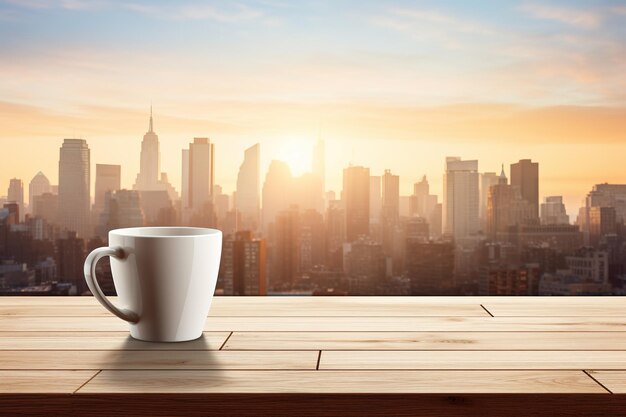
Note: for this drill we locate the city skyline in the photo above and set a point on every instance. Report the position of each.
(388, 85)
(298, 157)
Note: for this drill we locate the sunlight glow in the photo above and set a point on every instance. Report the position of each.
(297, 153)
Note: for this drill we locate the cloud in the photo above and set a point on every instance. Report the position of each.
(58, 4)
(430, 25)
(585, 19)
(198, 11)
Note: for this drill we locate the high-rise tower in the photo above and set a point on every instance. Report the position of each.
(74, 180)
(460, 198)
(150, 161)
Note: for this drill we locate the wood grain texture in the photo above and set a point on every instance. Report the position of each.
(267, 306)
(561, 341)
(42, 382)
(558, 307)
(510, 359)
(173, 359)
(401, 356)
(340, 324)
(341, 382)
(614, 381)
(101, 341)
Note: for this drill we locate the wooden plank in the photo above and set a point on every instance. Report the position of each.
(341, 382)
(101, 341)
(341, 324)
(272, 306)
(563, 341)
(561, 306)
(509, 359)
(42, 382)
(173, 359)
(614, 381)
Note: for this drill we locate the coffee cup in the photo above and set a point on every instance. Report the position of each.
(165, 279)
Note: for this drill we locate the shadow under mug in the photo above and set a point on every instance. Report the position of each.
(165, 279)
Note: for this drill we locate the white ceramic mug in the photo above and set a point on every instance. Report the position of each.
(164, 277)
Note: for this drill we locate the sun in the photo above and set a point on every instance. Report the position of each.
(297, 153)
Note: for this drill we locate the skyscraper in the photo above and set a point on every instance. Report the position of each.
(243, 267)
(505, 208)
(390, 209)
(276, 191)
(603, 195)
(150, 160)
(150, 177)
(248, 189)
(15, 194)
(200, 176)
(122, 208)
(376, 205)
(525, 176)
(38, 186)
(460, 198)
(487, 179)
(319, 163)
(74, 180)
(286, 248)
(108, 178)
(356, 197)
(553, 211)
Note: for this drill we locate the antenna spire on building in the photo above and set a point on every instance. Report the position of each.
(151, 129)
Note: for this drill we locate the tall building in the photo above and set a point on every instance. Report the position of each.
(602, 222)
(74, 180)
(46, 206)
(525, 176)
(150, 177)
(70, 257)
(364, 263)
(553, 211)
(38, 186)
(150, 160)
(335, 234)
(487, 179)
(15, 194)
(243, 269)
(108, 178)
(603, 195)
(122, 208)
(430, 267)
(312, 240)
(199, 179)
(422, 203)
(390, 209)
(285, 248)
(276, 192)
(376, 205)
(505, 208)
(248, 189)
(319, 163)
(356, 198)
(460, 198)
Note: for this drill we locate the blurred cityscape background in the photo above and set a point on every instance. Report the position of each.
(387, 147)
(488, 234)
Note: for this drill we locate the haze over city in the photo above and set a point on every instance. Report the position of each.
(352, 147)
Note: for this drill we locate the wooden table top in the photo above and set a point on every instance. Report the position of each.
(348, 355)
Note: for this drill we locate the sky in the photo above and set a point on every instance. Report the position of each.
(387, 84)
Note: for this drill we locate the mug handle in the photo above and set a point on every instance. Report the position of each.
(90, 276)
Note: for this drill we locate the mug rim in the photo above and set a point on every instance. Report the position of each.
(161, 232)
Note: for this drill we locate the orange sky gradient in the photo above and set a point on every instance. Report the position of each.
(390, 84)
